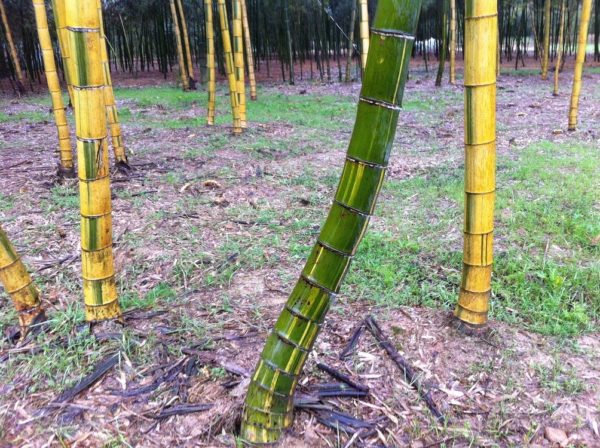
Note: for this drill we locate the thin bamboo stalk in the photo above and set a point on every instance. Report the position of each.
(185, 81)
(350, 41)
(210, 61)
(559, 49)
(364, 31)
(443, 48)
(229, 66)
(12, 50)
(269, 402)
(546, 48)
(452, 41)
(481, 34)
(238, 60)
(66, 168)
(112, 113)
(249, 55)
(18, 285)
(58, 8)
(186, 43)
(584, 21)
(84, 37)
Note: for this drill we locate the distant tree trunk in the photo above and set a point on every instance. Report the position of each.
(351, 40)
(238, 60)
(546, 48)
(364, 32)
(444, 49)
(13, 50)
(249, 55)
(109, 100)
(66, 168)
(210, 61)
(185, 81)
(452, 41)
(186, 43)
(229, 66)
(289, 40)
(559, 49)
(586, 11)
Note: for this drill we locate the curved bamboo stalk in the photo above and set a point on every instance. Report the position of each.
(12, 50)
(185, 81)
(229, 66)
(58, 8)
(452, 41)
(584, 21)
(481, 34)
(99, 289)
(249, 55)
(546, 47)
(210, 61)
(364, 31)
(109, 99)
(238, 60)
(186, 43)
(269, 402)
(18, 285)
(66, 168)
(559, 49)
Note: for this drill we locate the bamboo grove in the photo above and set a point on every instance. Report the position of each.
(83, 42)
(311, 35)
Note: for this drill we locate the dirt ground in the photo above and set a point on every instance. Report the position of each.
(511, 388)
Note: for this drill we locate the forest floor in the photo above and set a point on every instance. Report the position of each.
(211, 231)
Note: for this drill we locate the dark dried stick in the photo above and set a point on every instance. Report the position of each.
(409, 374)
(182, 409)
(353, 341)
(342, 377)
(101, 369)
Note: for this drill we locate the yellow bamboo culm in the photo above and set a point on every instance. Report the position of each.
(186, 43)
(584, 21)
(210, 61)
(249, 55)
(481, 36)
(185, 82)
(452, 41)
(58, 8)
(238, 60)
(109, 100)
(229, 66)
(364, 32)
(559, 48)
(18, 285)
(85, 43)
(546, 47)
(66, 168)
(12, 49)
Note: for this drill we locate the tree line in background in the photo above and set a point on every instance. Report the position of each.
(319, 38)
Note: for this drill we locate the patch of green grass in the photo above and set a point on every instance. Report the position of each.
(160, 294)
(547, 268)
(165, 96)
(29, 116)
(7, 202)
(62, 198)
(557, 378)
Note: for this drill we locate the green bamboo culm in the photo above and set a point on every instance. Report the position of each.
(269, 401)
(481, 38)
